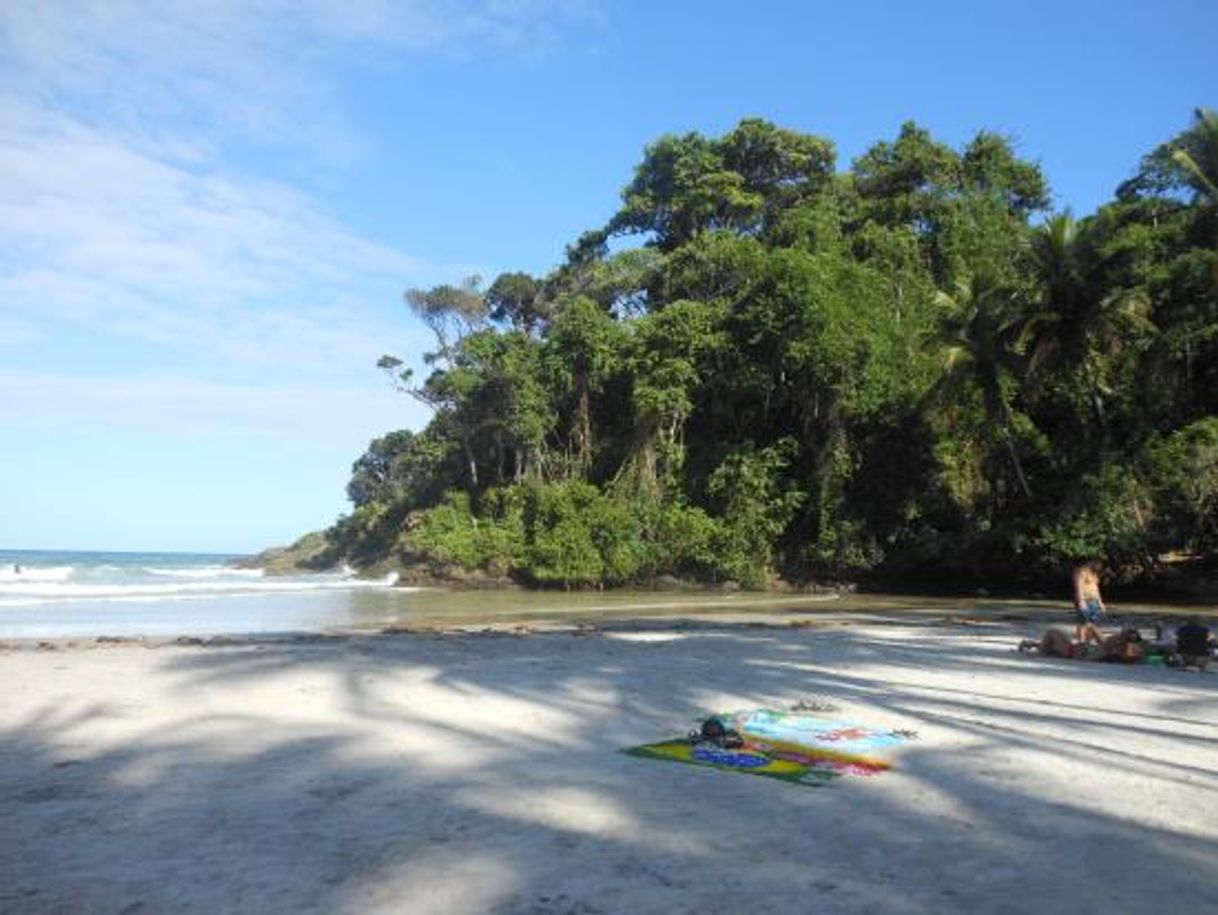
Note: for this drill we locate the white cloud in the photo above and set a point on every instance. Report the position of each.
(16, 332)
(165, 289)
(191, 408)
(121, 213)
(126, 222)
(162, 69)
(99, 235)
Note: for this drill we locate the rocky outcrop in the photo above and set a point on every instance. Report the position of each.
(311, 553)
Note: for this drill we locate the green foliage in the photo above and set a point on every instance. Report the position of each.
(452, 533)
(584, 350)
(1186, 164)
(904, 182)
(367, 534)
(1184, 469)
(577, 536)
(449, 532)
(989, 166)
(691, 184)
(776, 369)
(517, 299)
(755, 503)
(620, 285)
(402, 466)
(372, 475)
(683, 541)
(1102, 516)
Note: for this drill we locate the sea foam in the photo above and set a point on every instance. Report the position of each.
(34, 574)
(107, 583)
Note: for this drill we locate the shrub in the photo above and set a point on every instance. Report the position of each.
(1184, 470)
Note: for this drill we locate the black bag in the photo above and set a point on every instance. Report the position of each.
(715, 731)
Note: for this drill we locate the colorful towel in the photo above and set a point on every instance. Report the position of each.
(805, 749)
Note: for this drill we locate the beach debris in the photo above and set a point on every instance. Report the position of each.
(416, 631)
(815, 704)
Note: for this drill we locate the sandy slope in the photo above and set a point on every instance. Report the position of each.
(479, 773)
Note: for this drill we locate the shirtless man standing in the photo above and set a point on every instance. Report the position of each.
(1088, 605)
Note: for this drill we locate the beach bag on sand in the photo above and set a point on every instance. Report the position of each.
(713, 730)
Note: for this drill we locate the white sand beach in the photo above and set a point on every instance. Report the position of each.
(481, 772)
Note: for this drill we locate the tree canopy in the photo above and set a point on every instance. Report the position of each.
(761, 366)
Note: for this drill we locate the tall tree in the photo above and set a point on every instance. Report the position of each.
(976, 344)
(1186, 164)
(585, 347)
(759, 373)
(690, 184)
(517, 299)
(667, 360)
(372, 475)
(452, 313)
(1075, 325)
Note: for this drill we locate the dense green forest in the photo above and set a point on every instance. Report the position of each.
(764, 368)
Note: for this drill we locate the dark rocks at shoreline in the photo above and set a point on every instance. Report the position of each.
(310, 553)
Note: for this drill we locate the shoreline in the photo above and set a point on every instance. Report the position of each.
(762, 611)
(617, 619)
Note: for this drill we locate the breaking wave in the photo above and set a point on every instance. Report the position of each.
(107, 583)
(20, 575)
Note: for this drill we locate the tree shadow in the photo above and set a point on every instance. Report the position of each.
(480, 773)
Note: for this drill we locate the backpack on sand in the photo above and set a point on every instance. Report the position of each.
(713, 730)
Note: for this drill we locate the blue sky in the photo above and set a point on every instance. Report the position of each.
(208, 211)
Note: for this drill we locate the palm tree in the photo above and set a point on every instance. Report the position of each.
(976, 343)
(1198, 155)
(1074, 326)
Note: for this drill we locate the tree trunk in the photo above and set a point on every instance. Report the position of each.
(470, 463)
(1009, 440)
(1097, 401)
(583, 429)
(999, 410)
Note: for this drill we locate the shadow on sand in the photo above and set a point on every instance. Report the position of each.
(479, 773)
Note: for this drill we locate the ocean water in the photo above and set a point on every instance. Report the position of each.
(46, 593)
(65, 594)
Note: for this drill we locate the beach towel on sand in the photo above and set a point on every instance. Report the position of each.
(800, 748)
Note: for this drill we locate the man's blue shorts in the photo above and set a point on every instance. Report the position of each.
(1091, 612)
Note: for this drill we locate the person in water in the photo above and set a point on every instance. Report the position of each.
(1089, 606)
